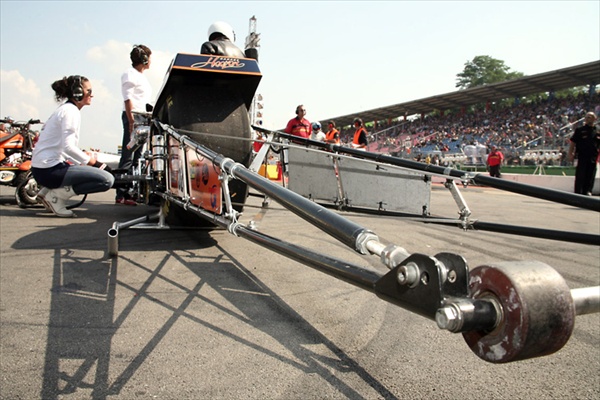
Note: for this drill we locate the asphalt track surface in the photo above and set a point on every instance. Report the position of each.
(195, 314)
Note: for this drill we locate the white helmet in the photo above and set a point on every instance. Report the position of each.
(223, 28)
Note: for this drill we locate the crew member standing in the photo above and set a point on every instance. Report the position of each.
(586, 143)
(360, 135)
(494, 162)
(333, 135)
(137, 92)
(299, 126)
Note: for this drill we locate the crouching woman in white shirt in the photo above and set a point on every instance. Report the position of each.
(59, 142)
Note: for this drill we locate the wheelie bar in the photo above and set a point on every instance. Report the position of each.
(506, 311)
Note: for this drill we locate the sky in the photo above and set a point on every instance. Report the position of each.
(334, 57)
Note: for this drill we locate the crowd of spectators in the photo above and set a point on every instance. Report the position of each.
(518, 130)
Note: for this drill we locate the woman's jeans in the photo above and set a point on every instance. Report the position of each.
(85, 179)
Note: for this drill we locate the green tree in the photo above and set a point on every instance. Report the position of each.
(483, 70)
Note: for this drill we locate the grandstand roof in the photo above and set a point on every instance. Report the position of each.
(579, 75)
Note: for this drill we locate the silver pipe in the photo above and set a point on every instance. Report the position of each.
(113, 233)
(586, 300)
(113, 241)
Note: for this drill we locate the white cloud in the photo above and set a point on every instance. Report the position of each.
(24, 97)
(156, 74)
(19, 83)
(106, 54)
(20, 98)
(112, 56)
(103, 119)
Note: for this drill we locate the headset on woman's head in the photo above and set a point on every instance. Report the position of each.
(77, 88)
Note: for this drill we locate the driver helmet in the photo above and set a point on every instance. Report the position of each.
(316, 126)
(223, 28)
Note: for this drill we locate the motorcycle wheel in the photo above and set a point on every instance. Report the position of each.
(27, 190)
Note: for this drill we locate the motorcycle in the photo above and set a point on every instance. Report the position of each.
(16, 149)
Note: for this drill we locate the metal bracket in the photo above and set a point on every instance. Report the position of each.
(422, 283)
(230, 214)
(464, 211)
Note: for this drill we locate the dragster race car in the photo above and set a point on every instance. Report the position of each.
(199, 166)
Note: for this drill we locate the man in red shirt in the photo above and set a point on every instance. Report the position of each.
(299, 126)
(494, 162)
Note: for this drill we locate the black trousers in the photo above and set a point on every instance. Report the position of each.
(585, 173)
(128, 158)
(495, 171)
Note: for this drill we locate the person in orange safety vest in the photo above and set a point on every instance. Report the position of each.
(360, 135)
(333, 135)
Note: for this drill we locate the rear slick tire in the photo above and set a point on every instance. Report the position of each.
(223, 115)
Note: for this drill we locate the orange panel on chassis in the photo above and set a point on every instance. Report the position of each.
(204, 183)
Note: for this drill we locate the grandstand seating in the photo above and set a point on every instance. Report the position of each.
(529, 132)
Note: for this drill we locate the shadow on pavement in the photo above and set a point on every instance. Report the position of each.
(84, 319)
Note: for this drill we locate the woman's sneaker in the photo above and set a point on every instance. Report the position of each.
(41, 198)
(54, 200)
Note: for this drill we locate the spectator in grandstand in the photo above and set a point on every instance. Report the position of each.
(137, 93)
(360, 135)
(58, 164)
(539, 123)
(299, 126)
(220, 41)
(317, 134)
(585, 143)
(494, 162)
(563, 157)
(333, 135)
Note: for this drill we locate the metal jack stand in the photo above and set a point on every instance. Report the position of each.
(144, 222)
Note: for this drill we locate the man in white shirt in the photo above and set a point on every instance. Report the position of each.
(137, 92)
